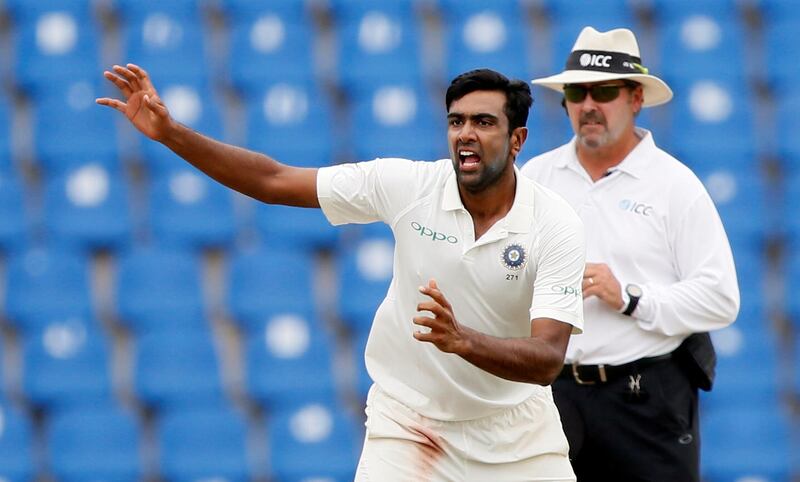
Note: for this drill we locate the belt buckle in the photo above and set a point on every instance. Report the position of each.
(601, 370)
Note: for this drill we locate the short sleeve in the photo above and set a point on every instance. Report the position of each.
(371, 191)
(561, 250)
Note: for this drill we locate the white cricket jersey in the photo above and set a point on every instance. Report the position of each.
(652, 221)
(528, 265)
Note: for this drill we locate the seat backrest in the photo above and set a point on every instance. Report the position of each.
(42, 283)
(87, 207)
(17, 461)
(288, 361)
(160, 287)
(176, 369)
(54, 41)
(203, 444)
(66, 364)
(312, 440)
(191, 211)
(290, 109)
(102, 442)
(270, 281)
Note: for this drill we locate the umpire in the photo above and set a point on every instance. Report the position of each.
(659, 275)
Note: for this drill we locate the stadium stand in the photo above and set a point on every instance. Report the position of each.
(54, 41)
(502, 44)
(315, 431)
(190, 211)
(206, 443)
(160, 288)
(103, 441)
(87, 208)
(290, 109)
(376, 41)
(269, 41)
(387, 115)
(17, 449)
(66, 364)
(14, 222)
(156, 326)
(289, 362)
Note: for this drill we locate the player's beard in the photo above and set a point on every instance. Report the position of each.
(487, 176)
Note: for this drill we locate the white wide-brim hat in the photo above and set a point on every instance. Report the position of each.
(600, 56)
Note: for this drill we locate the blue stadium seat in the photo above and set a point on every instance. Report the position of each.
(710, 109)
(366, 270)
(6, 110)
(168, 39)
(567, 22)
(378, 42)
(17, 460)
(781, 37)
(160, 288)
(752, 266)
(289, 362)
(283, 110)
(486, 35)
(741, 445)
(54, 41)
(96, 443)
(775, 10)
(42, 285)
(14, 222)
(177, 369)
(296, 228)
(398, 119)
(269, 41)
(67, 364)
(203, 444)
(702, 39)
(87, 207)
(741, 199)
(748, 369)
(787, 124)
(190, 210)
(192, 102)
(313, 441)
(69, 129)
(792, 273)
(791, 223)
(267, 282)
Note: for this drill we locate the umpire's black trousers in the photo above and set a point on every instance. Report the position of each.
(631, 423)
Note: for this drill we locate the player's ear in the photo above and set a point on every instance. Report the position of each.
(518, 137)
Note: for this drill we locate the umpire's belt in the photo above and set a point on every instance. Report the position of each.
(592, 374)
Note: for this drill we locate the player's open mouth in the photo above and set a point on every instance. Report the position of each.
(468, 159)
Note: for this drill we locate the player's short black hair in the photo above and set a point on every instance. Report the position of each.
(518, 93)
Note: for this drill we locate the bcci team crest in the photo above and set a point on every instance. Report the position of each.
(514, 257)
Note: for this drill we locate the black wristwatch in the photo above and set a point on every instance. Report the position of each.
(634, 292)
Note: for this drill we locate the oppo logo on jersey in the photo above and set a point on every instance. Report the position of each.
(595, 60)
(435, 236)
(635, 207)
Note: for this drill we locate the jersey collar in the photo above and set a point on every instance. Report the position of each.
(518, 219)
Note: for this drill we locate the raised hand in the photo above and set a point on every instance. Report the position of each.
(142, 106)
(446, 333)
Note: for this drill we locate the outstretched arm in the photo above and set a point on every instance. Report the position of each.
(248, 172)
(535, 359)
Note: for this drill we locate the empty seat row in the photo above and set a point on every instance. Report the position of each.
(108, 442)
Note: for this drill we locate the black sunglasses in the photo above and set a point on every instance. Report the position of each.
(600, 92)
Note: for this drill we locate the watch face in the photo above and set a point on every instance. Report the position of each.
(634, 291)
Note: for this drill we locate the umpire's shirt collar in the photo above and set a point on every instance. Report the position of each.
(635, 163)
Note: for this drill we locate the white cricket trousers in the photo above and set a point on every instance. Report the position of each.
(520, 444)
